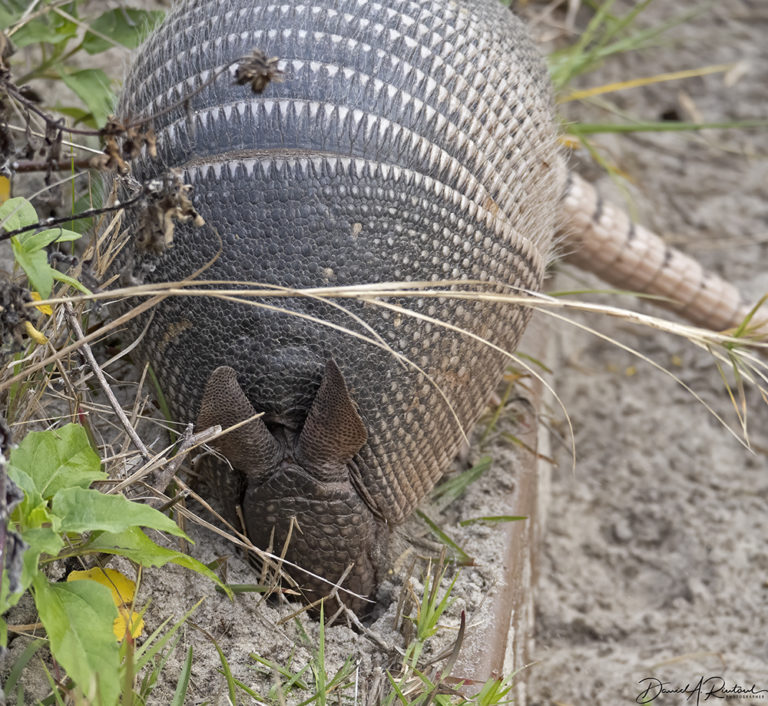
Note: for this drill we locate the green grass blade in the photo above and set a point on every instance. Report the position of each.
(461, 556)
(21, 662)
(454, 488)
(227, 672)
(150, 648)
(492, 518)
(294, 679)
(181, 688)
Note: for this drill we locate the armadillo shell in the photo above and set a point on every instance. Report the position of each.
(410, 140)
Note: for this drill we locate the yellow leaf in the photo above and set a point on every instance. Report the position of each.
(45, 308)
(34, 334)
(120, 626)
(123, 590)
(5, 189)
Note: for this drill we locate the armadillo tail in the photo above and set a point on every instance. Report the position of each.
(599, 237)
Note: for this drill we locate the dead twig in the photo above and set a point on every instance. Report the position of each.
(88, 353)
(188, 441)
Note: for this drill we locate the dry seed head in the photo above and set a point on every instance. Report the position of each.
(167, 201)
(258, 70)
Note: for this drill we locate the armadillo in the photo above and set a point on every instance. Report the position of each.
(409, 141)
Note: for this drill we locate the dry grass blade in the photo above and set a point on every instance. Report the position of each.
(237, 296)
(240, 540)
(749, 366)
(75, 324)
(743, 441)
(644, 81)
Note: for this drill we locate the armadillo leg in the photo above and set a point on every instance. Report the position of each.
(600, 238)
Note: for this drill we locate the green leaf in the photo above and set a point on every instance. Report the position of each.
(126, 26)
(581, 129)
(78, 618)
(17, 213)
(157, 641)
(71, 281)
(10, 16)
(461, 555)
(41, 540)
(83, 510)
(40, 516)
(32, 497)
(93, 88)
(57, 459)
(79, 115)
(20, 663)
(94, 197)
(51, 29)
(32, 241)
(28, 250)
(453, 488)
(35, 266)
(135, 545)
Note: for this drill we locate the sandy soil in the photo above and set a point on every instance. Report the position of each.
(654, 561)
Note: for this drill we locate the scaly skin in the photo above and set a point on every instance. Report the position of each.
(601, 238)
(411, 140)
(420, 147)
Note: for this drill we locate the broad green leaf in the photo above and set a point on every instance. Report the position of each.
(135, 545)
(35, 266)
(17, 213)
(9, 16)
(52, 29)
(35, 241)
(92, 87)
(44, 540)
(33, 259)
(57, 459)
(32, 497)
(83, 510)
(78, 618)
(40, 517)
(79, 115)
(40, 540)
(6, 601)
(126, 26)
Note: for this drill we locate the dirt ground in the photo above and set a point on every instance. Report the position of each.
(654, 562)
